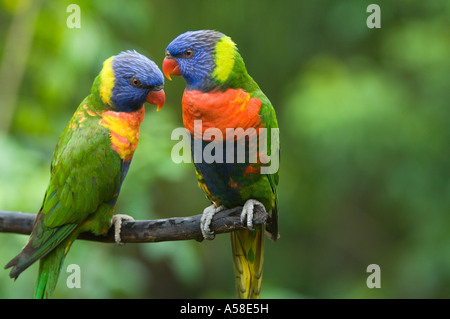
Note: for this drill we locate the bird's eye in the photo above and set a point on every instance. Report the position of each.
(188, 53)
(135, 82)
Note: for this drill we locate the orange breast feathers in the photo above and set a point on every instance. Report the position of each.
(124, 129)
(222, 110)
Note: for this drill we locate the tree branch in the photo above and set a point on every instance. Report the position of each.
(146, 231)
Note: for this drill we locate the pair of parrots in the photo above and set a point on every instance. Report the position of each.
(94, 152)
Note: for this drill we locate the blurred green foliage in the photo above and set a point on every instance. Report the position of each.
(364, 117)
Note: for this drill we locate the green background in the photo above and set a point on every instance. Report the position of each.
(364, 120)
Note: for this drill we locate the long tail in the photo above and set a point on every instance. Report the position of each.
(248, 259)
(49, 268)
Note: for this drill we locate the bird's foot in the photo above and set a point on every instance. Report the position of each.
(205, 221)
(117, 222)
(247, 212)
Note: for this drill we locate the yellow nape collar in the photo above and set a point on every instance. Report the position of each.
(225, 54)
(106, 81)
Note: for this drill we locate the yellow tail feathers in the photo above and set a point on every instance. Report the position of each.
(248, 259)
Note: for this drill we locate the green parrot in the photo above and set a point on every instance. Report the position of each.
(220, 98)
(89, 164)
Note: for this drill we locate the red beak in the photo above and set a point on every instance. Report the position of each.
(170, 67)
(156, 98)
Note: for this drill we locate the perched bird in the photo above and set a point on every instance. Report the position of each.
(222, 95)
(90, 162)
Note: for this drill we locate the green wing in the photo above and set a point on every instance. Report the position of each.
(268, 117)
(85, 178)
(85, 173)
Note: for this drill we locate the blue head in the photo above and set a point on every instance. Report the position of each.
(129, 79)
(193, 55)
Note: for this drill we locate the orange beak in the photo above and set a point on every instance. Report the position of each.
(170, 67)
(157, 98)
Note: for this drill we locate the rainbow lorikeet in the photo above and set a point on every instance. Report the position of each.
(222, 95)
(90, 162)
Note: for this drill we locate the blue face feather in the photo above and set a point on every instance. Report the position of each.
(194, 53)
(134, 77)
